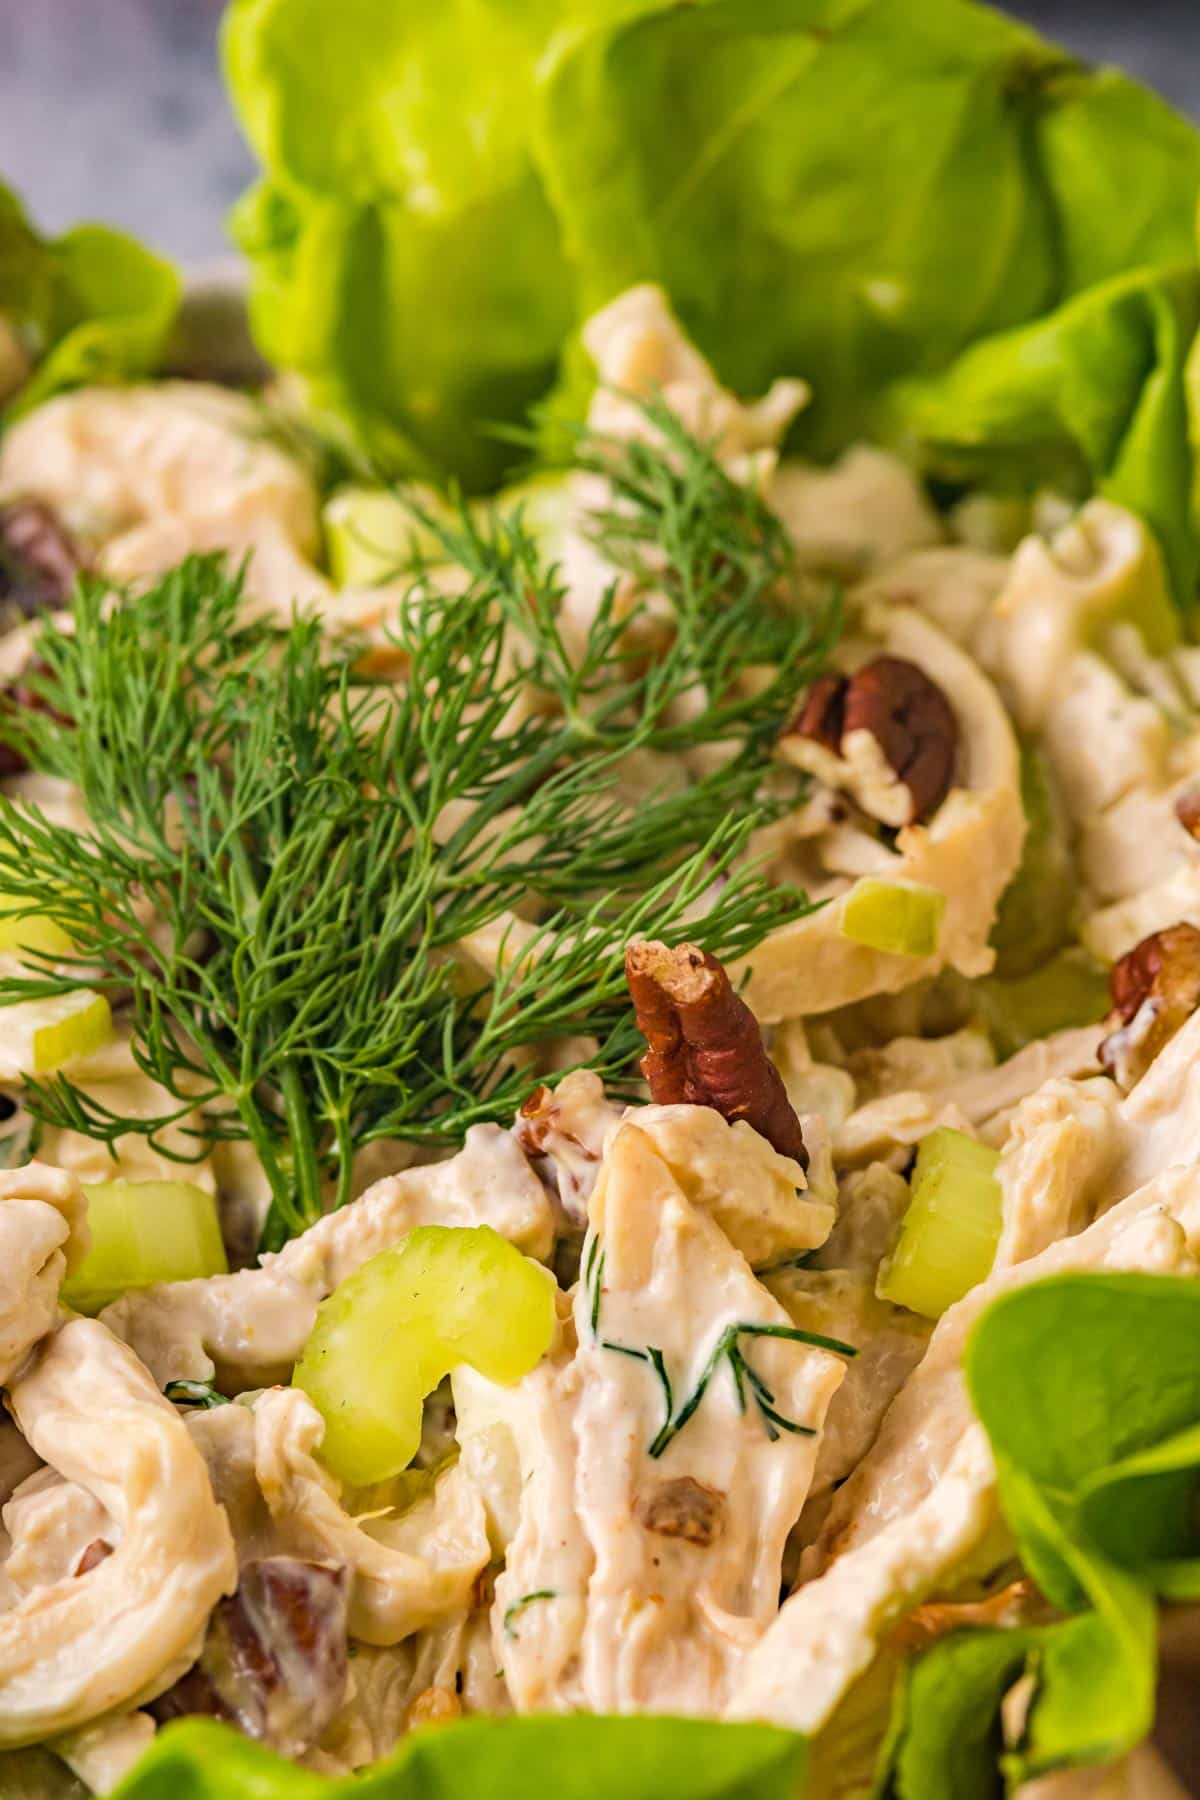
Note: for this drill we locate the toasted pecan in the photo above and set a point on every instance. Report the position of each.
(1155, 989)
(906, 715)
(704, 1044)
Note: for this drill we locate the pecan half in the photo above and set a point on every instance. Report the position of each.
(822, 714)
(38, 560)
(893, 731)
(1155, 989)
(274, 1661)
(704, 1044)
(683, 1508)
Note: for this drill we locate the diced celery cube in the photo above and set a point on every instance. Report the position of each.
(1071, 989)
(898, 917)
(948, 1239)
(20, 930)
(143, 1232)
(40, 1035)
(371, 534)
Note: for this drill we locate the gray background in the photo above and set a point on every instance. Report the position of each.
(113, 108)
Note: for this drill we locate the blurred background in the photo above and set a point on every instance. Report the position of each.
(114, 108)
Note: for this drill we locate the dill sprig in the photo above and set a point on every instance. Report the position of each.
(285, 858)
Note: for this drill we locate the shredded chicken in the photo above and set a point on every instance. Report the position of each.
(405, 1573)
(645, 1554)
(86, 1644)
(254, 1324)
(43, 1233)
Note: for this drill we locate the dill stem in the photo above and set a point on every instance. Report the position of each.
(304, 1154)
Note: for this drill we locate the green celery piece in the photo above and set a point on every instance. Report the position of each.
(899, 918)
(372, 534)
(580, 1757)
(1071, 989)
(387, 1336)
(1033, 919)
(947, 1242)
(144, 1232)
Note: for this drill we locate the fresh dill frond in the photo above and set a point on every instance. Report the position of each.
(287, 863)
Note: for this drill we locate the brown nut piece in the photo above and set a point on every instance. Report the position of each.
(822, 713)
(683, 1508)
(1187, 811)
(275, 1657)
(38, 561)
(433, 1706)
(895, 731)
(566, 1162)
(1155, 989)
(705, 1047)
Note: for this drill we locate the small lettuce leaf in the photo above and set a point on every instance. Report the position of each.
(575, 1757)
(90, 306)
(1089, 1387)
(944, 1742)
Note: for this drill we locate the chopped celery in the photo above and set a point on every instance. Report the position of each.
(1033, 919)
(26, 930)
(947, 1243)
(1071, 989)
(40, 1035)
(143, 1232)
(402, 1322)
(371, 534)
(898, 917)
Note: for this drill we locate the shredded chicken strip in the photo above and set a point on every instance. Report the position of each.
(126, 1629)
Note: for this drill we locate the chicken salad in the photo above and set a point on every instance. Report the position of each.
(599, 1117)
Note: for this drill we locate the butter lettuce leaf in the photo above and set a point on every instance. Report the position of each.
(90, 306)
(859, 191)
(1094, 397)
(407, 262)
(575, 1757)
(1089, 1387)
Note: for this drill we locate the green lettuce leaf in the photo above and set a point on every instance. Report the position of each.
(1093, 397)
(577, 1757)
(1089, 1387)
(92, 305)
(860, 191)
(407, 262)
